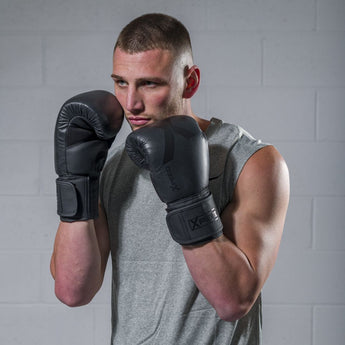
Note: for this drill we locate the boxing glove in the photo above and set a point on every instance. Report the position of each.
(175, 151)
(85, 128)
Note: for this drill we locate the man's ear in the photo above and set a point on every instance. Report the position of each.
(192, 81)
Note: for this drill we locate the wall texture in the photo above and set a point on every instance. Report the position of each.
(275, 67)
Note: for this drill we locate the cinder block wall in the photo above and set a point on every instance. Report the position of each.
(275, 67)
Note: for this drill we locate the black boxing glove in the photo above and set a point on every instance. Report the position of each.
(175, 151)
(85, 128)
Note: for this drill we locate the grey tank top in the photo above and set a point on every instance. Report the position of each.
(154, 299)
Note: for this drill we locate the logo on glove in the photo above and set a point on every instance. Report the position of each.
(205, 219)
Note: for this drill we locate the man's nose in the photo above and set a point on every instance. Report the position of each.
(134, 102)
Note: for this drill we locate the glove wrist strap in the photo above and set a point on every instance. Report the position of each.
(194, 222)
(77, 198)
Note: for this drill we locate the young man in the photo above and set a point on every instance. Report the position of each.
(196, 289)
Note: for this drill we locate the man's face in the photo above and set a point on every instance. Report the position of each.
(149, 85)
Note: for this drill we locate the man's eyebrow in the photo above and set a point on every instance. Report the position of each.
(153, 79)
(141, 80)
(114, 76)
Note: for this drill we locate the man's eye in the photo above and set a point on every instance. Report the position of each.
(120, 83)
(150, 83)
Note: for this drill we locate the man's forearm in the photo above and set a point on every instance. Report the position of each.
(76, 263)
(224, 276)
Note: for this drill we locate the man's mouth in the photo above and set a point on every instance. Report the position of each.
(138, 120)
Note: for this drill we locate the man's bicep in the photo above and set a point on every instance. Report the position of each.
(254, 220)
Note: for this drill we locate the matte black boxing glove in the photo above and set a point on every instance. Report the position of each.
(175, 151)
(85, 128)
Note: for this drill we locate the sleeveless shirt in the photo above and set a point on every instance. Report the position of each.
(154, 298)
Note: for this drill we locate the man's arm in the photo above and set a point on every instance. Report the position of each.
(231, 270)
(86, 127)
(229, 259)
(79, 260)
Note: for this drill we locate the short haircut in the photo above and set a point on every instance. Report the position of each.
(154, 31)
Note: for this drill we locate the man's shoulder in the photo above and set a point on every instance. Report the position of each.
(219, 130)
(267, 163)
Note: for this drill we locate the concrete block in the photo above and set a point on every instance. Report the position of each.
(261, 15)
(112, 16)
(287, 325)
(329, 325)
(27, 114)
(269, 114)
(30, 113)
(83, 60)
(102, 317)
(330, 15)
(47, 169)
(298, 225)
(228, 59)
(20, 278)
(331, 115)
(86, 15)
(47, 292)
(304, 59)
(308, 277)
(315, 168)
(21, 15)
(191, 13)
(31, 222)
(19, 168)
(21, 60)
(53, 325)
(61, 15)
(329, 223)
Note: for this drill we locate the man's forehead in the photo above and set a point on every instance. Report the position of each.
(153, 54)
(150, 61)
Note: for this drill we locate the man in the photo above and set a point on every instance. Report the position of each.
(198, 289)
